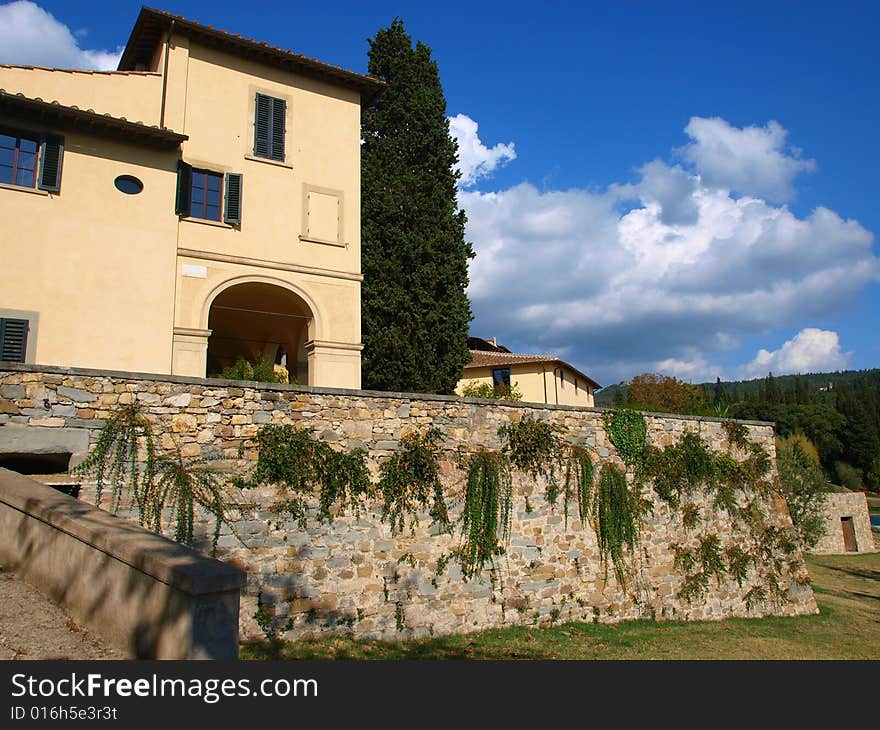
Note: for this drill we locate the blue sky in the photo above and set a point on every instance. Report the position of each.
(685, 189)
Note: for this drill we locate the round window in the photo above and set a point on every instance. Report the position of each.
(128, 184)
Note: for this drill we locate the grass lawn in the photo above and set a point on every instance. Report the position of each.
(848, 627)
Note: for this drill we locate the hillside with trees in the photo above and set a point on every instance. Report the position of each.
(839, 413)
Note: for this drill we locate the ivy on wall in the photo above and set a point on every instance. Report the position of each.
(687, 476)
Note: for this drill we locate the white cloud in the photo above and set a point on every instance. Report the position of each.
(810, 351)
(692, 272)
(475, 160)
(751, 160)
(32, 36)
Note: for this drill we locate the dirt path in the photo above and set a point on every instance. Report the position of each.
(33, 627)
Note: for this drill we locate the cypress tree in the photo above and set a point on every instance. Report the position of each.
(414, 256)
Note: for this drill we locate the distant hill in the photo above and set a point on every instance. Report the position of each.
(608, 394)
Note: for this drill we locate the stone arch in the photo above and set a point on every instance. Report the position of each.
(259, 319)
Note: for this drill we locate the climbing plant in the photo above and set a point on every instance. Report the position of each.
(615, 515)
(579, 480)
(301, 466)
(167, 482)
(181, 485)
(410, 481)
(534, 447)
(488, 507)
(114, 459)
(628, 432)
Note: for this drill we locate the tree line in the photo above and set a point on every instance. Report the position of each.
(840, 418)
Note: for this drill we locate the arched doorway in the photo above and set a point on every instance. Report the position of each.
(257, 322)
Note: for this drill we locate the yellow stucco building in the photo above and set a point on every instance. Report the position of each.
(538, 378)
(224, 222)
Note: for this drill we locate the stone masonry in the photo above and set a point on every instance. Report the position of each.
(843, 505)
(354, 576)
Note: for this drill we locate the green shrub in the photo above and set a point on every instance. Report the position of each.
(261, 372)
(849, 476)
(807, 447)
(476, 389)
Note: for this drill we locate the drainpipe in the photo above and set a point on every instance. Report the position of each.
(544, 380)
(555, 387)
(165, 74)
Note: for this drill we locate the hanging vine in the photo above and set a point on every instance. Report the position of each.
(114, 459)
(488, 508)
(410, 482)
(180, 486)
(300, 465)
(579, 479)
(615, 520)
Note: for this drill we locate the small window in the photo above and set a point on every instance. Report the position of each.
(207, 189)
(18, 160)
(200, 192)
(128, 184)
(501, 380)
(270, 118)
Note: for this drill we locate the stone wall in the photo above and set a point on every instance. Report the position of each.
(353, 575)
(843, 505)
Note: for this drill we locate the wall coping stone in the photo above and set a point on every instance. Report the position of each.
(169, 562)
(284, 387)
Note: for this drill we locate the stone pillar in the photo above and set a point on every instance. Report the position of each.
(334, 364)
(190, 352)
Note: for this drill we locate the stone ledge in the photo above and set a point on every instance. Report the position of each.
(148, 552)
(282, 387)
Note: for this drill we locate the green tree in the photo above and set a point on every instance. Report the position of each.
(802, 484)
(414, 255)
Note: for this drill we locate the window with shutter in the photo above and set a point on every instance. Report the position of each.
(13, 339)
(270, 115)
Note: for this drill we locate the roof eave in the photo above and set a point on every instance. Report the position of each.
(511, 360)
(89, 121)
(367, 86)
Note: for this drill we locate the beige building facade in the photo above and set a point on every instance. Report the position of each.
(223, 223)
(537, 378)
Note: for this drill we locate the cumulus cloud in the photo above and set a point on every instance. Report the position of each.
(691, 272)
(748, 160)
(29, 35)
(810, 351)
(475, 160)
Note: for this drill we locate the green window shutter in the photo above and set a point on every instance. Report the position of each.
(279, 119)
(270, 117)
(13, 339)
(232, 201)
(50, 164)
(262, 125)
(183, 199)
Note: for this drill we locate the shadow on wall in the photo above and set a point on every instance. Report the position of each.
(143, 593)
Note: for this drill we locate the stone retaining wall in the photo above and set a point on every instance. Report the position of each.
(352, 575)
